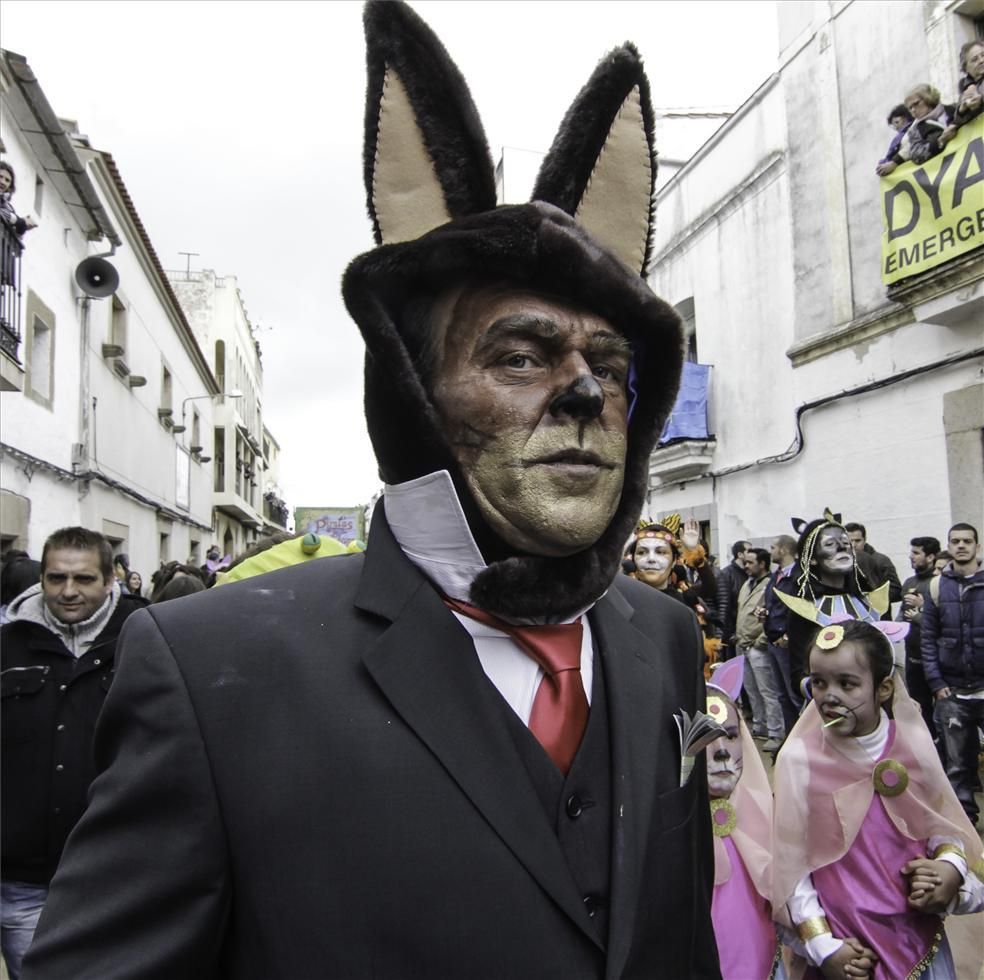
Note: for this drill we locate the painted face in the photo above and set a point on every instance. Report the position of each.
(919, 560)
(844, 689)
(724, 758)
(72, 584)
(654, 561)
(834, 552)
(974, 60)
(532, 398)
(962, 544)
(5, 181)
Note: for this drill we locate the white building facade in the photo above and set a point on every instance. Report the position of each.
(827, 387)
(217, 313)
(94, 386)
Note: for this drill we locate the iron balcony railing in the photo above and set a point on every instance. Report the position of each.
(10, 291)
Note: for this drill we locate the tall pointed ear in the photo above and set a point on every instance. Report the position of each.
(602, 166)
(426, 159)
(799, 525)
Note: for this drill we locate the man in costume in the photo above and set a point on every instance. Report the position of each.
(456, 754)
(741, 816)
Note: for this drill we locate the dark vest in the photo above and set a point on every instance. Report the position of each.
(578, 807)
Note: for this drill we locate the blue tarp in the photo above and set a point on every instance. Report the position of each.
(688, 420)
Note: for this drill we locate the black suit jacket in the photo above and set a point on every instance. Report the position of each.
(305, 775)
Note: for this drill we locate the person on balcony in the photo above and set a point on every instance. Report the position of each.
(971, 84)
(900, 119)
(8, 185)
(18, 226)
(930, 131)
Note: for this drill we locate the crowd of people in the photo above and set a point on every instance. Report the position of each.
(810, 620)
(924, 124)
(781, 626)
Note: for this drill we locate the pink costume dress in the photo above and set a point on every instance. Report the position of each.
(851, 823)
(741, 908)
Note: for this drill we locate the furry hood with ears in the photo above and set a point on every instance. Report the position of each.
(585, 239)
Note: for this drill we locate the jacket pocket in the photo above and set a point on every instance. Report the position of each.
(676, 807)
(18, 682)
(23, 705)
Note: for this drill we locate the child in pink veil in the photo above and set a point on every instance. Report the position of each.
(741, 816)
(872, 848)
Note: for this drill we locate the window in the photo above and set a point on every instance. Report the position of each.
(196, 429)
(685, 308)
(166, 388)
(117, 324)
(220, 363)
(40, 360)
(218, 461)
(38, 197)
(164, 547)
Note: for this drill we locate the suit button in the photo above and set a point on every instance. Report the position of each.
(60, 728)
(57, 809)
(62, 687)
(574, 806)
(59, 767)
(96, 663)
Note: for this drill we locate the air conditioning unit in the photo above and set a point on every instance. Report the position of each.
(112, 350)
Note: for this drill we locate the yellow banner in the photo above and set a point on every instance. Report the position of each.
(933, 213)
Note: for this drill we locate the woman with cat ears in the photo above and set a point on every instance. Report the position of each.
(829, 586)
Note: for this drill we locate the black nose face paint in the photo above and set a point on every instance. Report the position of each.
(583, 400)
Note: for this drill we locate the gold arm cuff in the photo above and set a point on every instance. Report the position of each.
(949, 849)
(808, 928)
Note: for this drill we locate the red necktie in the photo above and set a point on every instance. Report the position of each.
(560, 708)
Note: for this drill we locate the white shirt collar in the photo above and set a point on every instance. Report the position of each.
(429, 525)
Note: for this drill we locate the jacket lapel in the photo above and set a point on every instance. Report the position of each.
(425, 664)
(641, 753)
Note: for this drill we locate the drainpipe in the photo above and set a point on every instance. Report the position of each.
(80, 458)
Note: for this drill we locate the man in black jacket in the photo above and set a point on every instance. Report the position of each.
(878, 568)
(915, 591)
(58, 655)
(729, 583)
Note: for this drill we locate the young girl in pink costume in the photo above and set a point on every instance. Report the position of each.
(741, 817)
(872, 848)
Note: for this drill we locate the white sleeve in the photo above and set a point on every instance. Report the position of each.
(804, 904)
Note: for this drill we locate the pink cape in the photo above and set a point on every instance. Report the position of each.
(742, 904)
(824, 790)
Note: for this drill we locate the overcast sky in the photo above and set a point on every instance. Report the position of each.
(237, 127)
